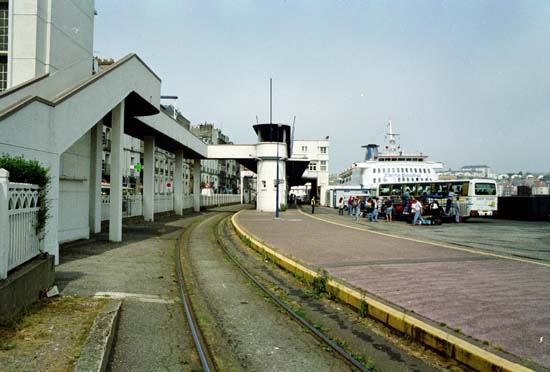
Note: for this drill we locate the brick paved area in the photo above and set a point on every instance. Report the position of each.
(500, 300)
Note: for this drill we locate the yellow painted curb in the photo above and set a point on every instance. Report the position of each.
(465, 352)
(435, 244)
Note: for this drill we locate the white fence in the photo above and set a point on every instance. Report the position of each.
(18, 220)
(219, 199)
(164, 202)
(133, 205)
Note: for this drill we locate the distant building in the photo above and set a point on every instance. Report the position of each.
(222, 176)
(468, 171)
(317, 151)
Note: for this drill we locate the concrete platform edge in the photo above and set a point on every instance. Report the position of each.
(438, 339)
(95, 353)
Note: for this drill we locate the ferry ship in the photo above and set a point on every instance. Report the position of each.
(386, 165)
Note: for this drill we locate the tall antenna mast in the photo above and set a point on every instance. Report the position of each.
(257, 120)
(270, 101)
(292, 137)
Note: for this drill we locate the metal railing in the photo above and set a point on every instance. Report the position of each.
(19, 207)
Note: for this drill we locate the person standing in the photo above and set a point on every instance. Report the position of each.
(313, 205)
(456, 209)
(375, 209)
(416, 208)
(369, 209)
(341, 206)
(350, 204)
(356, 204)
(388, 205)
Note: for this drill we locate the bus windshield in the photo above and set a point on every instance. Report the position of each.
(485, 188)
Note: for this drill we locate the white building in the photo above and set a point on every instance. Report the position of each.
(57, 104)
(317, 172)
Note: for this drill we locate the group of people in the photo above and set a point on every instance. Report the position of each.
(370, 208)
(366, 207)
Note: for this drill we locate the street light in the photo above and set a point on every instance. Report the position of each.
(277, 180)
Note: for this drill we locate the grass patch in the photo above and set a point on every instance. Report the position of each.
(48, 336)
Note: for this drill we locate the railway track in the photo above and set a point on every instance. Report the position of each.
(212, 233)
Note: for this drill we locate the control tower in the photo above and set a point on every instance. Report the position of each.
(272, 153)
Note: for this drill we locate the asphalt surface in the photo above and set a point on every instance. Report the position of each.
(152, 332)
(499, 298)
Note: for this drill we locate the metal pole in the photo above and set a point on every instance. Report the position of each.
(277, 144)
(277, 185)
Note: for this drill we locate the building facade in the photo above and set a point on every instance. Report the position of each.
(219, 176)
(318, 154)
(39, 37)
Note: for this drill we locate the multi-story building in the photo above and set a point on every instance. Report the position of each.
(23, 53)
(221, 176)
(317, 151)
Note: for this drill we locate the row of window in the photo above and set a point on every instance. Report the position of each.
(322, 149)
(313, 166)
(404, 179)
(403, 170)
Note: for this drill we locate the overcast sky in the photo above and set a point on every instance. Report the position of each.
(466, 82)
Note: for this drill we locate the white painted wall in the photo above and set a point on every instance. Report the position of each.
(267, 173)
(74, 191)
(50, 36)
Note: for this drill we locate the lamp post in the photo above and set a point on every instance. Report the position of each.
(277, 179)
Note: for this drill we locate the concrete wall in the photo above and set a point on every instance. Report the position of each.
(74, 191)
(23, 287)
(50, 36)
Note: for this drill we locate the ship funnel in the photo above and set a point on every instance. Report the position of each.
(372, 151)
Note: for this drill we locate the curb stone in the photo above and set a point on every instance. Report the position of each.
(94, 356)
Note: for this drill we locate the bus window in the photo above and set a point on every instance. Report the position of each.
(396, 190)
(384, 190)
(428, 188)
(485, 188)
(440, 189)
(422, 188)
(410, 188)
(457, 187)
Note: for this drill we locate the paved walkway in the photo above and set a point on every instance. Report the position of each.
(493, 298)
(152, 332)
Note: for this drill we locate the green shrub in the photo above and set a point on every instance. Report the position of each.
(283, 207)
(30, 171)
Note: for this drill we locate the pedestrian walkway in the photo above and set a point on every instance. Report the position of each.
(152, 332)
(489, 297)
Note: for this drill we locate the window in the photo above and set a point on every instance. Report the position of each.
(485, 189)
(3, 26)
(312, 166)
(3, 72)
(323, 165)
(304, 148)
(323, 149)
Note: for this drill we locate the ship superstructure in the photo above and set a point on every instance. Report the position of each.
(390, 164)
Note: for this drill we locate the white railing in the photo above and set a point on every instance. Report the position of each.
(18, 220)
(219, 199)
(133, 205)
(164, 202)
(188, 201)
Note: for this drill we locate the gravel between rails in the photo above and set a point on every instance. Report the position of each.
(244, 330)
